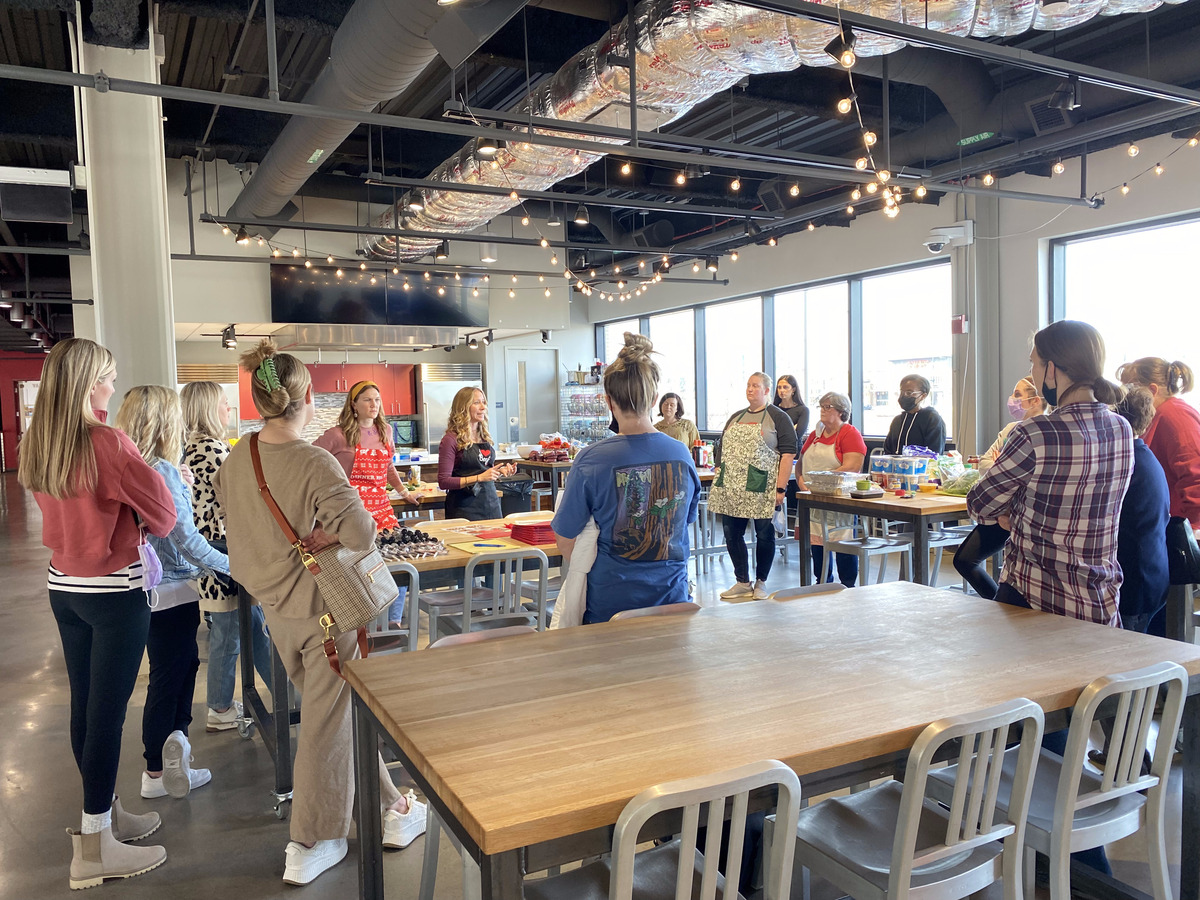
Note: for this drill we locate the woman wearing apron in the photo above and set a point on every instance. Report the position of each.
(753, 466)
(834, 446)
(467, 469)
(360, 441)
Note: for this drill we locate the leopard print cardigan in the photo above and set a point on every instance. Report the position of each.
(204, 457)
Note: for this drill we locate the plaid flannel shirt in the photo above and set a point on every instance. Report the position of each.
(1061, 479)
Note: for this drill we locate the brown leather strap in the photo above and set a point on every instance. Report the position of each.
(290, 533)
(331, 654)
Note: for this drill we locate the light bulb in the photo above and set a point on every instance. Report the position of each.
(1192, 142)
(540, 278)
(544, 242)
(546, 292)
(457, 277)
(362, 266)
(892, 211)
(847, 59)
(1058, 168)
(441, 291)
(395, 270)
(512, 195)
(1158, 169)
(373, 279)
(872, 187)
(592, 273)
(869, 138)
(427, 276)
(511, 292)
(474, 292)
(487, 278)
(525, 220)
(329, 259)
(275, 252)
(308, 264)
(616, 270)
(340, 273)
(849, 210)
(641, 264)
(733, 257)
(514, 279)
(626, 168)
(566, 273)
(884, 176)
(407, 286)
(620, 285)
(1134, 150)
(495, 165)
(855, 194)
(771, 242)
(695, 267)
(736, 184)
(861, 163)
(845, 105)
(794, 190)
(989, 179)
(295, 252)
(680, 178)
(554, 259)
(812, 227)
(1125, 188)
(261, 242)
(224, 229)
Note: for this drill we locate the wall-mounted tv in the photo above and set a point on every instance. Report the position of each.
(318, 295)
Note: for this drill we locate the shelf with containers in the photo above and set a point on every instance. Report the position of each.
(583, 412)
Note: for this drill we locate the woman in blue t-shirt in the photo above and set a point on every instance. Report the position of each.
(641, 488)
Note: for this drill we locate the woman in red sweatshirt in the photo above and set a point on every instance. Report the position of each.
(91, 483)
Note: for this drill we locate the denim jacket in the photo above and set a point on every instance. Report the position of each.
(184, 554)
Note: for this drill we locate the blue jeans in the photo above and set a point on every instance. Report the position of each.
(396, 610)
(847, 566)
(735, 545)
(224, 645)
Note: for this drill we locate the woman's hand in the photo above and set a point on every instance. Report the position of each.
(189, 477)
(318, 540)
(409, 497)
(489, 474)
(1004, 522)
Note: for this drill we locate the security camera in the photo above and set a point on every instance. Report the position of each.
(545, 337)
(960, 234)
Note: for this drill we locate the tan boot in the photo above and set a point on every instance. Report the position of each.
(100, 856)
(127, 826)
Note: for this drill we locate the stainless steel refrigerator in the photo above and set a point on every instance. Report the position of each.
(437, 383)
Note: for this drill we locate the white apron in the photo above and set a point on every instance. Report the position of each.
(823, 458)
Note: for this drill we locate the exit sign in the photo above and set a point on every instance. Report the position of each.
(976, 138)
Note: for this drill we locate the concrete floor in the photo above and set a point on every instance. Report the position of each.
(223, 840)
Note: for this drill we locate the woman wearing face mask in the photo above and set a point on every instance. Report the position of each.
(989, 538)
(917, 425)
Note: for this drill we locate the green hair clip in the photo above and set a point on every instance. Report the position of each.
(268, 376)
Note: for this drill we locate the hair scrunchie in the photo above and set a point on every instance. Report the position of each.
(268, 376)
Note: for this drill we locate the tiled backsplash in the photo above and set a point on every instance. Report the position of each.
(329, 407)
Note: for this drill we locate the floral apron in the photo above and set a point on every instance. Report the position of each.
(745, 484)
(369, 475)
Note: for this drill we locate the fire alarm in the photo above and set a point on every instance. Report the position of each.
(959, 325)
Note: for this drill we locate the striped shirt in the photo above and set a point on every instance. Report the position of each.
(1061, 479)
(127, 579)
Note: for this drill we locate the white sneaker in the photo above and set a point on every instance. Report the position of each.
(178, 777)
(303, 864)
(223, 721)
(401, 829)
(153, 788)
(760, 590)
(740, 591)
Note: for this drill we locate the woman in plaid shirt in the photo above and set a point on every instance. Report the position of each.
(1059, 482)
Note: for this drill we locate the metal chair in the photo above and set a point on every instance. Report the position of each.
(670, 869)
(665, 609)
(809, 590)
(500, 604)
(381, 636)
(1074, 809)
(907, 848)
(433, 823)
(864, 548)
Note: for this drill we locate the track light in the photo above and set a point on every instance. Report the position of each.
(711, 263)
(841, 48)
(416, 201)
(442, 251)
(554, 221)
(545, 336)
(473, 344)
(242, 237)
(229, 338)
(489, 337)
(581, 216)
(488, 147)
(1066, 95)
(488, 251)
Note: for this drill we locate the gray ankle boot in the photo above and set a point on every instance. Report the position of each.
(99, 856)
(127, 826)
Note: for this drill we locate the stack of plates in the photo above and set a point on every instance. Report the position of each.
(533, 533)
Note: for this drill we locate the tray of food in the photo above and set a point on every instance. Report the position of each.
(398, 544)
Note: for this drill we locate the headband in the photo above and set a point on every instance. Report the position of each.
(267, 375)
(359, 387)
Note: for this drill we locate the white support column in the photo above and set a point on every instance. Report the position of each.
(127, 218)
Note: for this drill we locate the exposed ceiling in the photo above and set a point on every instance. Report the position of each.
(930, 95)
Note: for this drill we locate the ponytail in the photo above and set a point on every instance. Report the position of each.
(1107, 392)
(1179, 378)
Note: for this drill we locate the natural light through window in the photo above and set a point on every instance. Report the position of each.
(674, 337)
(733, 350)
(614, 338)
(812, 340)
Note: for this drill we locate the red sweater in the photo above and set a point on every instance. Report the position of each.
(95, 534)
(1174, 438)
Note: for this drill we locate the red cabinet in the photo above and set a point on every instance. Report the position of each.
(397, 385)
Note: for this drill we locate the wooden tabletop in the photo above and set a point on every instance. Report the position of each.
(542, 464)
(457, 559)
(429, 492)
(545, 735)
(917, 505)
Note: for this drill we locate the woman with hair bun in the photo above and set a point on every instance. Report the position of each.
(1058, 483)
(641, 489)
(1174, 433)
(316, 498)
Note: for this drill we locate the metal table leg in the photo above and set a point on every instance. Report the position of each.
(367, 803)
(802, 523)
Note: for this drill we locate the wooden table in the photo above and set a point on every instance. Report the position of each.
(432, 497)
(540, 737)
(554, 469)
(454, 560)
(919, 511)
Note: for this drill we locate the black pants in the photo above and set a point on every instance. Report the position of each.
(103, 638)
(983, 542)
(847, 566)
(174, 660)
(735, 543)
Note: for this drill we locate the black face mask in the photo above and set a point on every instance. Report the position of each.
(908, 404)
(1049, 394)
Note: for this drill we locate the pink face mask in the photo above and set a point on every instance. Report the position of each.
(1016, 409)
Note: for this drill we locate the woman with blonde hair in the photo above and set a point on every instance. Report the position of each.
(92, 486)
(150, 414)
(1174, 433)
(318, 501)
(205, 418)
(641, 489)
(467, 469)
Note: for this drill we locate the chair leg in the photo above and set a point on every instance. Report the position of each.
(472, 878)
(433, 831)
(1027, 873)
(1156, 841)
(1060, 875)
(937, 565)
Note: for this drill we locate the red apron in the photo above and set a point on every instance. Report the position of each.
(369, 475)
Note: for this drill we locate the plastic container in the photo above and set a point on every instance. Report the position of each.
(839, 484)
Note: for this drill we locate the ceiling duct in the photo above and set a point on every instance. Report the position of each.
(379, 50)
(686, 52)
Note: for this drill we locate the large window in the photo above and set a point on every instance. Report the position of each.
(614, 338)
(733, 350)
(812, 340)
(1138, 288)
(906, 330)
(674, 337)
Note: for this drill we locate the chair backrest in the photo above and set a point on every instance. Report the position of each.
(508, 574)
(972, 810)
(1136, 693)
(412, 621)
(475, 637)
(666, 609)
(452, 522)
(688, 794)
(808, 590)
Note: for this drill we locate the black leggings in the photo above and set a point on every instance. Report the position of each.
(984, 541)
(174, 659)
(103, 638)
